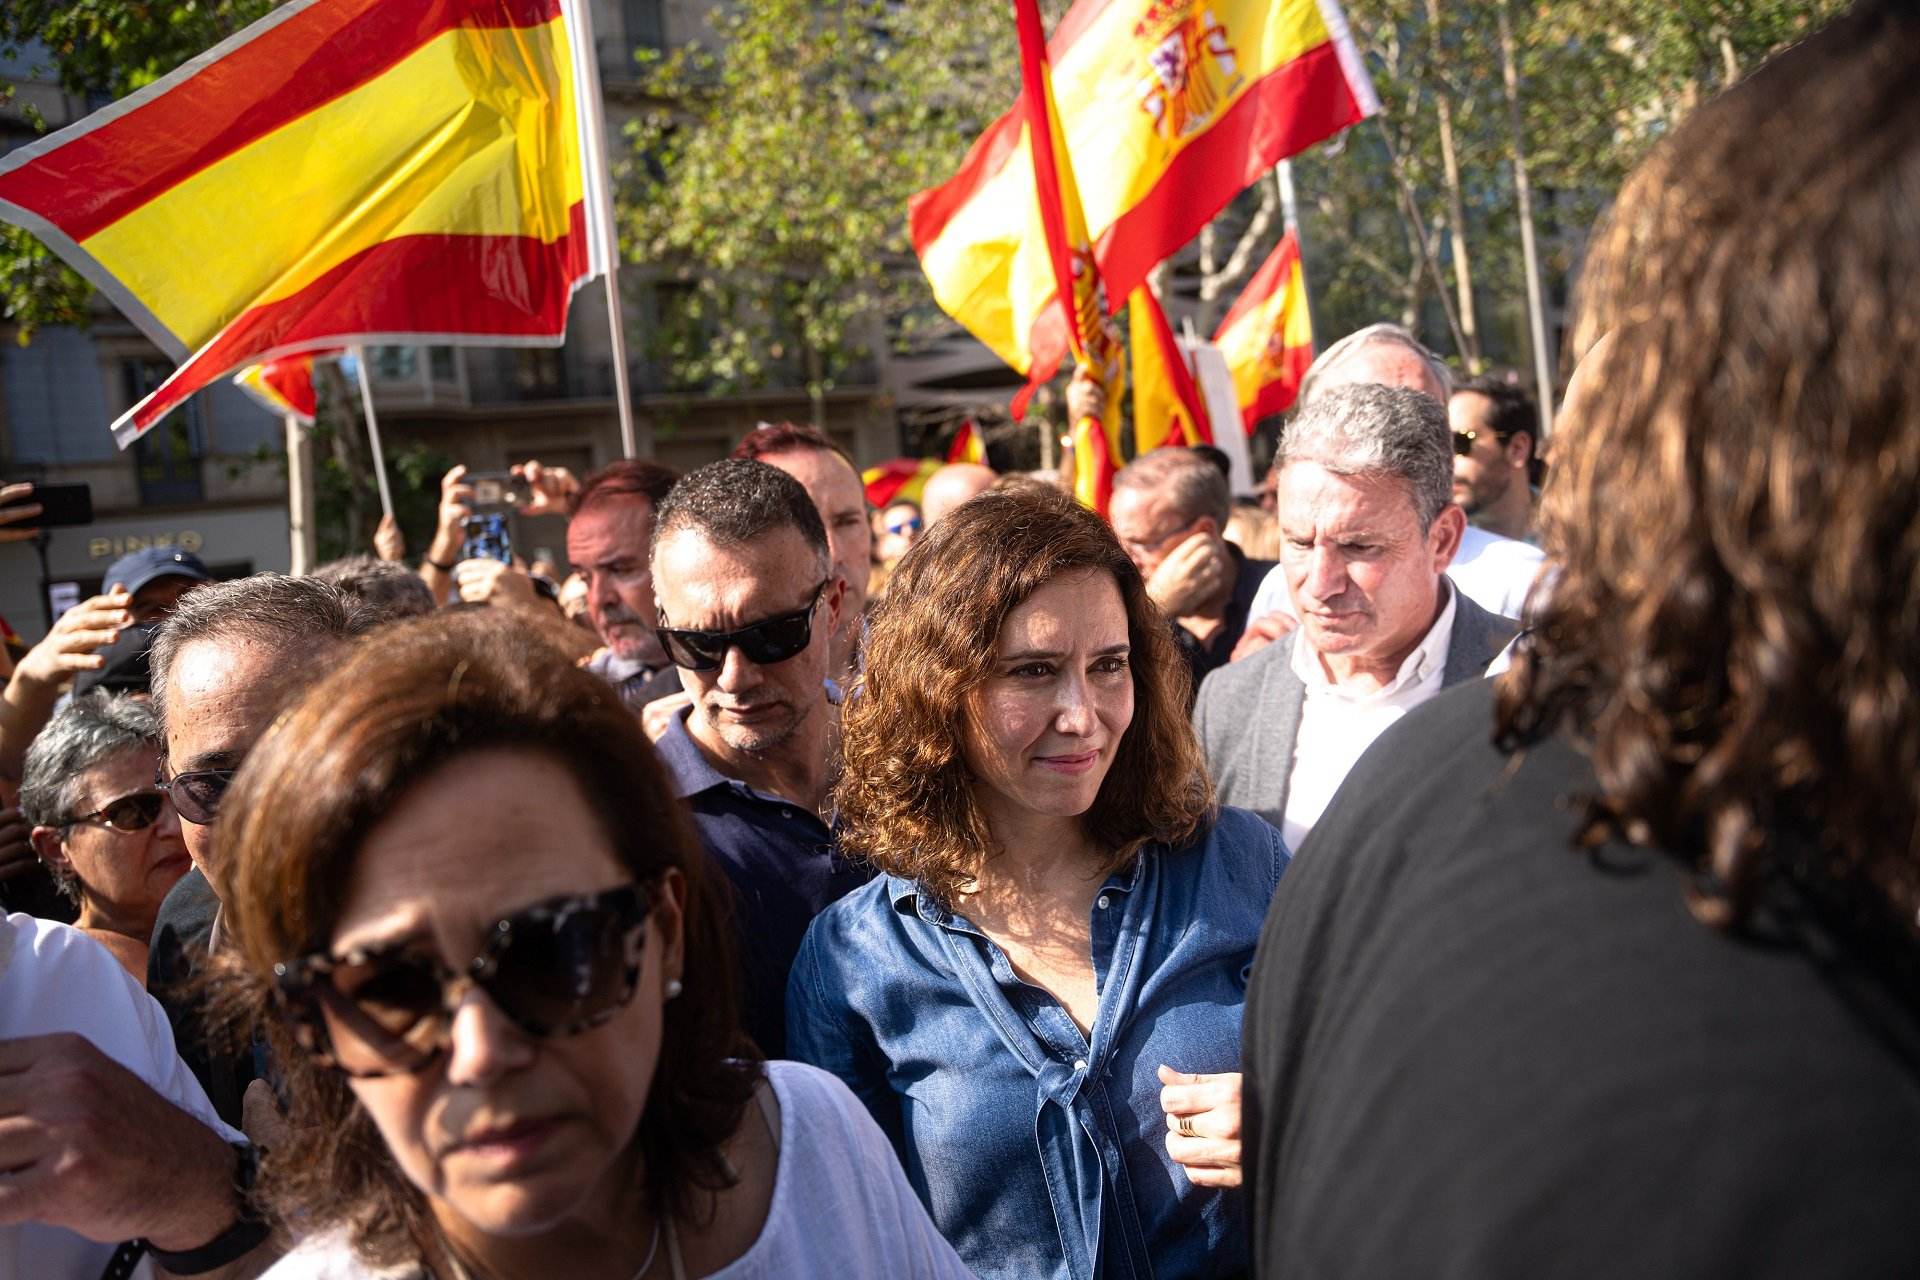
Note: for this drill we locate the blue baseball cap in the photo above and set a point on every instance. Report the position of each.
(137, 568)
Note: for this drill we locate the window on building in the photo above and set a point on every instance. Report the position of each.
(393, 364)
(646, 29)
(440, 364)
(166, 460)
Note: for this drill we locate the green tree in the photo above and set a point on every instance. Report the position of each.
(770, 177)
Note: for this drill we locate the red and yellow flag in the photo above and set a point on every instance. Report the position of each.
(1267, 336)
(967, 444)
(1167, 406)
(283, 387)
(342, 171)
(1177, 106)
(1081, 306)
(898, 479)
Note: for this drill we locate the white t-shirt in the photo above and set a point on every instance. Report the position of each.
(1494, 572)
(841, 1208)
(53, 979)
(1337, 725)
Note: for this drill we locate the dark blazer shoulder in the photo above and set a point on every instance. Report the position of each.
(1477, 638)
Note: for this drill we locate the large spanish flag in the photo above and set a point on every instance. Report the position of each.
(1267, 335)
(1170, 109)
(342, 171)
(1167, 406)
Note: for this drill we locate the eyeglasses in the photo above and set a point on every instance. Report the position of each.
(556, 968)
(134, 812)
(764, 643)
(910, 525)
(1463, 440)
(197, 795)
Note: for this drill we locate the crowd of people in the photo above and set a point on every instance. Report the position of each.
(1514, 870)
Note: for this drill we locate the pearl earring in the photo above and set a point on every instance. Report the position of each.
(674, 988)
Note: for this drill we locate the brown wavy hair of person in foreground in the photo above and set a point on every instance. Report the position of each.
(905, 792)
(432, 691)
(1735, 497)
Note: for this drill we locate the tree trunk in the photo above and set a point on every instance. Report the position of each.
(1456, 206)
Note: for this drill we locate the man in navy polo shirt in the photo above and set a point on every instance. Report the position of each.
(749, 601)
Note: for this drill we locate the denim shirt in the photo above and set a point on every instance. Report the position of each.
(1039, 1153)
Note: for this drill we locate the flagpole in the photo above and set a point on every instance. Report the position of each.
(300, 532)
(600, 176)
(373, 431)
(1536, 310)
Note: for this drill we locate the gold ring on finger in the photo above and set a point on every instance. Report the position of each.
(1185, 1128)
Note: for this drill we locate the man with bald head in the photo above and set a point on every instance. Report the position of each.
(1494, 572)
(952, 485)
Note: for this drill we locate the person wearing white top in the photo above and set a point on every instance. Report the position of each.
(493, 966)
(1367, 532)
(86, 1053)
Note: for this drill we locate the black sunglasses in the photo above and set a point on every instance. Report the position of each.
(555, 968)
(196, 796)
(764, 643)
(134, 812)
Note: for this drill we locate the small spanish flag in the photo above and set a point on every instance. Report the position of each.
(1167, 407)
(898, 479)
(283, 387)
(340, 172)
(1267, 336)
(967, 445)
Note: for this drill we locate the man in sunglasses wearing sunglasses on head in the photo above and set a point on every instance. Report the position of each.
(110, 838)
(748, 600)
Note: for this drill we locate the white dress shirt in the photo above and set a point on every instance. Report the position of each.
(1337, 724)
(1495, 572)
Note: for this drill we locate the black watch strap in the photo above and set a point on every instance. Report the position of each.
(243, 1237)
(444, 568)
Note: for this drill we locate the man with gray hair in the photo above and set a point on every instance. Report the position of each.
(1495, 572)
(1368, 528)
(749, 601)
(111, 841)
(1169, 510)
(223, 665)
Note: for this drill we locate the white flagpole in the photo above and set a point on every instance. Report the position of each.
(300, 532)
(373, 431)
(600, 207)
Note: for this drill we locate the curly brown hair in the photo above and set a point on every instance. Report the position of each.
(1734, 633)
(431, 691)
(905, 794)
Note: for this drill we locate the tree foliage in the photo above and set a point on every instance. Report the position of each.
(770, 176)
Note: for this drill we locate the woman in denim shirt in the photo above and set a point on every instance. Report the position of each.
(1040, 999)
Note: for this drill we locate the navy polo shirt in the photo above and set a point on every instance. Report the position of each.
(782, 863)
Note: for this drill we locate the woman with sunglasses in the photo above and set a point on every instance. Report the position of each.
(471, 917)
(1040, 998)
(110, 839)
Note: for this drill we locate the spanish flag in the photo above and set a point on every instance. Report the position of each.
(1167, 406)
(1267, 336)
(898, 479)
(283, 387)
(340, 172)
(1176, 106)
(967, 445)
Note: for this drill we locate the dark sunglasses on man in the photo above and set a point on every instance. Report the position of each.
(555, 968)
(196, 795)
(911, 524)
(128, 813)
(764, 643)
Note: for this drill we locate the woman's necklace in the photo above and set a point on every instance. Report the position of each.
(460, 1271)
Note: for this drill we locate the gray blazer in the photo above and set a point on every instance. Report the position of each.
(1248, 712)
